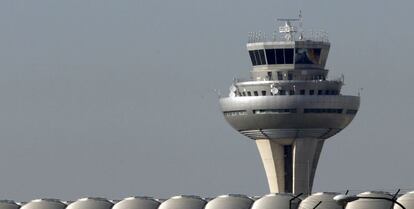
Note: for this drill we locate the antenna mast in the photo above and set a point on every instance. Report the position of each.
(288, 29)
(300, 25)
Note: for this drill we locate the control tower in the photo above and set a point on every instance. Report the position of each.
(288, 106)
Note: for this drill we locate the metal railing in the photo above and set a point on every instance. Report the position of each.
(306, 35)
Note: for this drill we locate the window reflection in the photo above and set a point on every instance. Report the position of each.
(288, 56)
(280, 59)
(257, 57)
(308, 56)
(271, 56)
(253, 58)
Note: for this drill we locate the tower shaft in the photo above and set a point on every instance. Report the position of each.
(290, 168)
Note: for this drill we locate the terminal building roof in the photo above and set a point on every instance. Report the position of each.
(321, 200)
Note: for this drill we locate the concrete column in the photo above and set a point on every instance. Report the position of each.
(272, 155)
(306, 152)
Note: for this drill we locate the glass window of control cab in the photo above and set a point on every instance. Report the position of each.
(276, 56)
(308, 56)
(257, 57)
(279, 56)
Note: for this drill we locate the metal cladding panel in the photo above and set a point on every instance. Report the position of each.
(265, 102)
(90, 203)
(324, 198)
(406, 200)
(44, 204)
(137, 203)
(230, 202)
(275, 201)
(369, 203)
(287, 125)
(180, 202)
(286, 134)
(8, 204)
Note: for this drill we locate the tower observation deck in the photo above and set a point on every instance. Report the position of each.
(289, 107)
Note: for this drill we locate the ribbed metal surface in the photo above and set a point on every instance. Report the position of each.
(290, 133)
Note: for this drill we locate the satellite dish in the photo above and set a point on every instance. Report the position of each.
(233, 88)
(232, 94)
(274, 90)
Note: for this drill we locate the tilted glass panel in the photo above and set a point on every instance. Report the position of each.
(257, 56)
(288, 56)
(251, 54)
(271, 56)
(308, 56)
(262, 57)
(280, 58)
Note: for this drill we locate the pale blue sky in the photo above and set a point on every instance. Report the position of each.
(115, 98)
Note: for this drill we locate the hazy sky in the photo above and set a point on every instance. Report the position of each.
(115, 98)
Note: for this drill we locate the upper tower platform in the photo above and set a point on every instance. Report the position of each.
(292, 49)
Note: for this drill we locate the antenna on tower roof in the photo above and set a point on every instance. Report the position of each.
(300, 25)
(288, 29)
